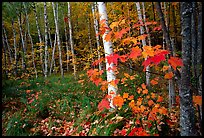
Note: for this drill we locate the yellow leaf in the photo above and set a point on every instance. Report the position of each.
(165, 68)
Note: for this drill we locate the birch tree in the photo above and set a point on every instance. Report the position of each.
(39, 36)
(58, 39)
(108, 51)
(70, 39)
(31, 40)
(94, 8)
(46, 39)
(185, 92)
(142, 31)
(66, 41)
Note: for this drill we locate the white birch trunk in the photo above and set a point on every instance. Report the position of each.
(53, 54)
(46, 38)
(31, 40)
(71, 40)
(67, 47)
(143, 42)
(94, 7)
(146, 28)
(108, 50)
(58, 39)
(23, 44)
(39, 36)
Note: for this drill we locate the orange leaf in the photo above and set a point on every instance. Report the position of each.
(108, 36)
(118, 101)
(150, 102)
(169, 75)
(126, 75)
(139, 90)
(153, 95)
(131, 104)
(145, 91)
(154, 82)
(175, 61)
(131, 97)
(28, 91)
(143, 86)
(165, 68)
(160, 99)
(197, 100)
(163, 110)
(135, 52)
(125, 95)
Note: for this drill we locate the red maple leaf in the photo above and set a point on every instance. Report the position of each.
(123, 58)
(175, 61)
(135, 52)
(66, 19)
(104, 104)
(113, 58)
(155, 59)
(120, 34)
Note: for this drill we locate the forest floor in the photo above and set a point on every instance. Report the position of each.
(64, 107)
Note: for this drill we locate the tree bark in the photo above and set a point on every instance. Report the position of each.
(108, 51)
(142, 31)
(172, 98)
(185, 93)
(58, 39)
(146, 28)
(15, 47)
(94, 8)
(71, 40)
(23, 45)
(199, 54)
(39, 36)
(6, 42)
(5, 61)
(67, 46)
(31, 40)
(46, 39)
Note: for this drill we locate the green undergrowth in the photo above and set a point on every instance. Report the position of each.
(58, 106)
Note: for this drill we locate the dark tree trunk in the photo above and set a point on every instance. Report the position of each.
(185, 93)
(172, 98)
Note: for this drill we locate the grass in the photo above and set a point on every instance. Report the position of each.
(63, 107)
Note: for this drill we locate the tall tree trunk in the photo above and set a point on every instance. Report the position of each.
(39, 36)
(146, 28)
(58, 39)
(142, 31)
(174, 25)
(199, 54)
(53, 54)
(172, 98)
(94, 8)
(8, 46)
(67, 46)
(23, 45)
(89, 35)
(71, 40)
(185, 93)
(5, 61)
(31, 40)
(46, 39)
(194, 46)
(15, 47)
(108, 51)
